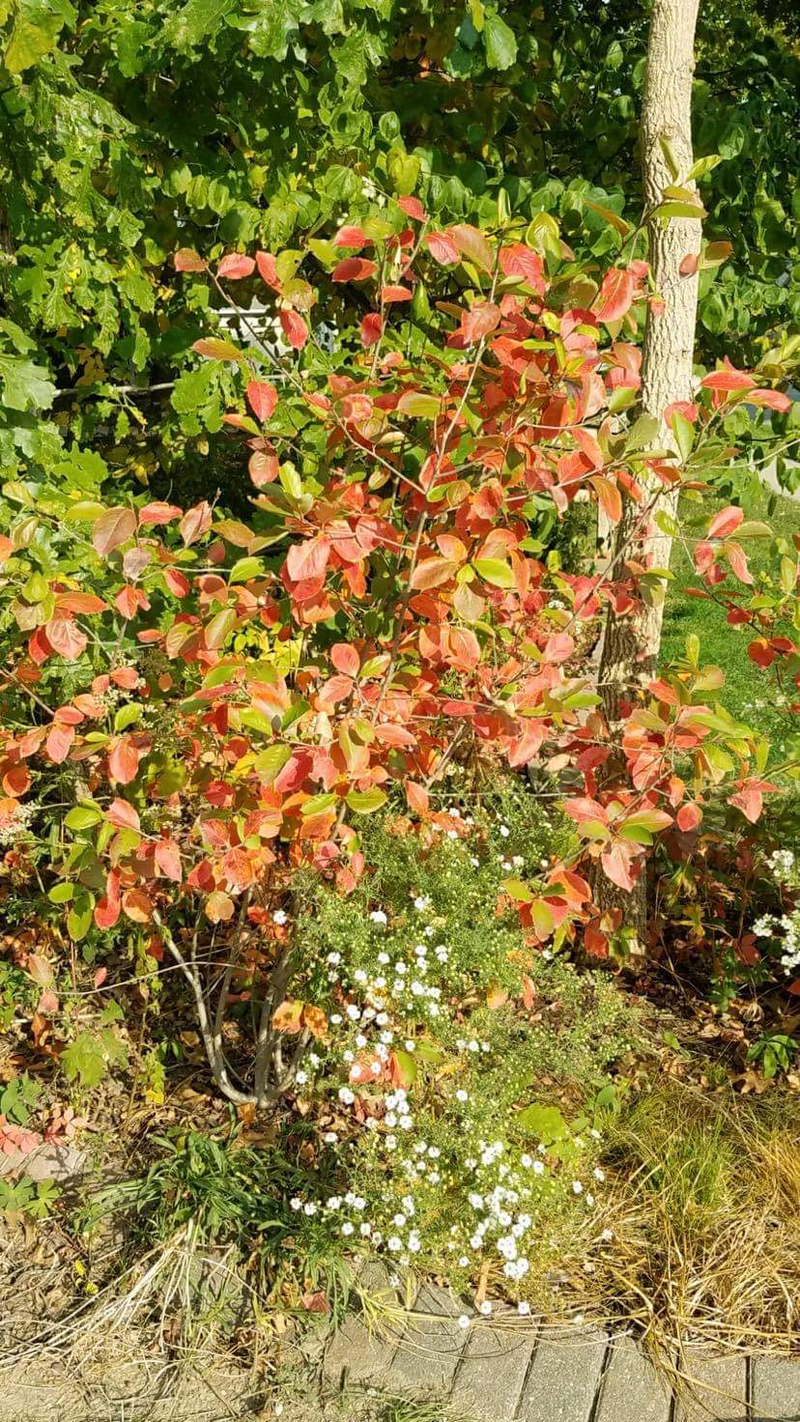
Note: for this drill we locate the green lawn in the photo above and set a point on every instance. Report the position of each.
(749, 691)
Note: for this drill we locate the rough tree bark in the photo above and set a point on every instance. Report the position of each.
(630, 645)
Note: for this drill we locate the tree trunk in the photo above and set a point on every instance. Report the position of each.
(630, 645)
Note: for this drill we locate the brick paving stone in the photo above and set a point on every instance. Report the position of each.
(492, 1371)
(429, 1351)
(632, 1390)
(719, 1388)
(563, 1377)
(776, 1389)
(357, 1355)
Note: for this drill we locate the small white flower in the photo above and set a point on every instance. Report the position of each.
(346, 1096)
(378, 916)
(463, 1321)
(577, 1188)
(280, 917)
(347, 1228)
(598, 1173)
(523, 1308)
(462, 1095)
(296, 1204)
(486, 1308)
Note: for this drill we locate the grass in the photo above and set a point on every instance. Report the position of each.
(747, 692)
(705, 1214)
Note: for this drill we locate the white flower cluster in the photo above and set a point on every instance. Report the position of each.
(429, 1150)
(15, 824)
(785, 927)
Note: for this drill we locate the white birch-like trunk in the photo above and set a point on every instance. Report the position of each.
(630, 645)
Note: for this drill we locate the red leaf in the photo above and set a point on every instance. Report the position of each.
(472, 244)
(412, 207)
(158, 513)
(268, 270)
(371, 329)
(112, 528)
(617, 861)
(761, 652)
(688, 266)
(725, 522)
(295, 328)
(262, 398)
(480, 321)
(185, 260)
(519, 260)
(123, 762)
(615, 297)
(728, 379)
(195, 522)
(122, 815)
(100, 975)
(137, 906)
(263, 468)
(704, 555)
(559, 647)
(345, 659)
(689, 817)
(395, 293)
(58, 743)
(770, 400)
(354, 269)
(107, 910)
(735, 555)
(168, 859)
(177, 582)
(608, 496)
(582, 808)
(417, 797)
(235, 267)
(65, 637)
(442, 248)
(351, 236)
(309, 559)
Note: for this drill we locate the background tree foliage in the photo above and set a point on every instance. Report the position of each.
(131, 127)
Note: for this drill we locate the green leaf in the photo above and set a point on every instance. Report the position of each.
(270, 762)
(61, 893)
(702, 166)
(516, 889)
(127, 716)
(317, 804)
(545, 1122)
(495, 571)
(669, 157)
(669, 209)
(499, 42)
(24, 386)
(365, 802)
(424, 407)
(83, 817)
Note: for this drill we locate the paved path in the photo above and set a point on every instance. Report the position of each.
(510, 1370)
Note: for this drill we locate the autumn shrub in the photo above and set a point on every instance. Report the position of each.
(199, 712)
